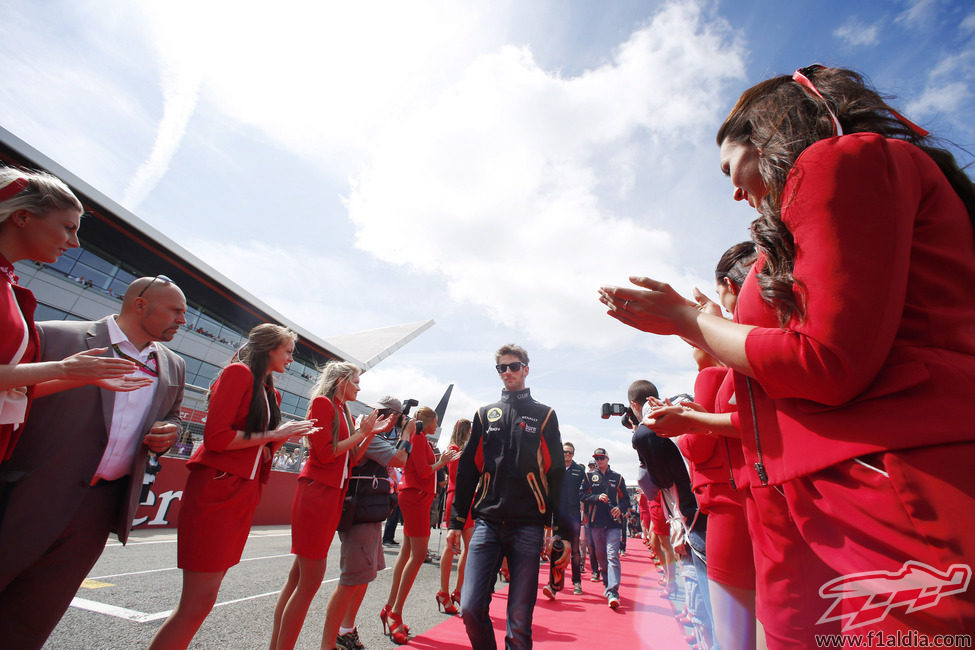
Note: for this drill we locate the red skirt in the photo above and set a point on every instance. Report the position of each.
(449, 505)
(214, 519)
(315, 514)
(415, 506)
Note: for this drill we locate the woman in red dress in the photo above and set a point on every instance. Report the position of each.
(227, 474)
(39, 220)
(415, 500)
(853, 350)
(448, 601)
(320, 492)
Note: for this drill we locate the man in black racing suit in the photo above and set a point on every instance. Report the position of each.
(511, 471)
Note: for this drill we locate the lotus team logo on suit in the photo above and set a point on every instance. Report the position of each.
(494, 415)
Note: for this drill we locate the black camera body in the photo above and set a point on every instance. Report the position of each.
(408, 405)
(609, 410)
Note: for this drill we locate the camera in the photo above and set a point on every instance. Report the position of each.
(608, 410)
(407, 405)
(612, 409)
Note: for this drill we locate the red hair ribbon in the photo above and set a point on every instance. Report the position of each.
(909, 124)
(800, 78)
(13, 188)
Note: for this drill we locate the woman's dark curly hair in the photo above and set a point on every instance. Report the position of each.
(781, 119)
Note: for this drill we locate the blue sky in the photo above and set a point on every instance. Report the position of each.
(486, 165)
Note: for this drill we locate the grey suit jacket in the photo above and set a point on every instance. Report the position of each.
(66, 433)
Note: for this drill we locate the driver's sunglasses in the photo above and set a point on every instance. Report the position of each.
(515, 366)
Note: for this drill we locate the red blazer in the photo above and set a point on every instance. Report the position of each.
(14, 302)
(230, 399)
(417, 473)
(452, 472)
(715, 460)
(323, 465)
(885, 358)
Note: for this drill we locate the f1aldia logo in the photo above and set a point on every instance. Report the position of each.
(869, 596)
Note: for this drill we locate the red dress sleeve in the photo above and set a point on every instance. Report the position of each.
(323, 413)
(229, 402)
(850, 205)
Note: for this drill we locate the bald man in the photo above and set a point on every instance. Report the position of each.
(77, 472)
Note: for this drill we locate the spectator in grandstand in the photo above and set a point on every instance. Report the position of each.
(335, 446)
(227, 475)
(39, 220)
(853, 352)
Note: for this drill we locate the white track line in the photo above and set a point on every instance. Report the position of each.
(133, 542)
(172, 568)
(142, 617)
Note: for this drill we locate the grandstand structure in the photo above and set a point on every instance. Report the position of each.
(87, 283)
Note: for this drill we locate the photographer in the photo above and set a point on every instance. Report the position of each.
(666, 473)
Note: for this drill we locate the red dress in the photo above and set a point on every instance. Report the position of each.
(451, 488)
(322, 484)
(419, 487)
(864, 407)
(715, 462)
(224, 486)
(18, 339)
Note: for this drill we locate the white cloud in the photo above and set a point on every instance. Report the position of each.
(527, 190)
(856, 33)
(407, 382)
(946, 99)
(504, 178)
(948, 90)
(917, 13)
(968, 24)
(181, 76)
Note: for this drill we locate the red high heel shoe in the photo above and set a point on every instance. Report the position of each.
(455, 598)
(445, 603)
(398, 633)
(504, 575)
(384, 615)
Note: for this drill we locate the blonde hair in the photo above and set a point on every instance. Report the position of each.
(426, 415)
(332, 374)
(43, 193)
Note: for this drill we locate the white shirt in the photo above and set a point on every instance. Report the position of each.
(129, 410)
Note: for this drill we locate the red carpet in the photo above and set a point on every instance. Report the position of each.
(644, 619)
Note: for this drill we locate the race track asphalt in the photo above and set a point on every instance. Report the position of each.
(131, 590)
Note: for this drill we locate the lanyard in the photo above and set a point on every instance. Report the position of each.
(149, 370)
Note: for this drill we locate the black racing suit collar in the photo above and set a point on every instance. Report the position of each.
(515, 396)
